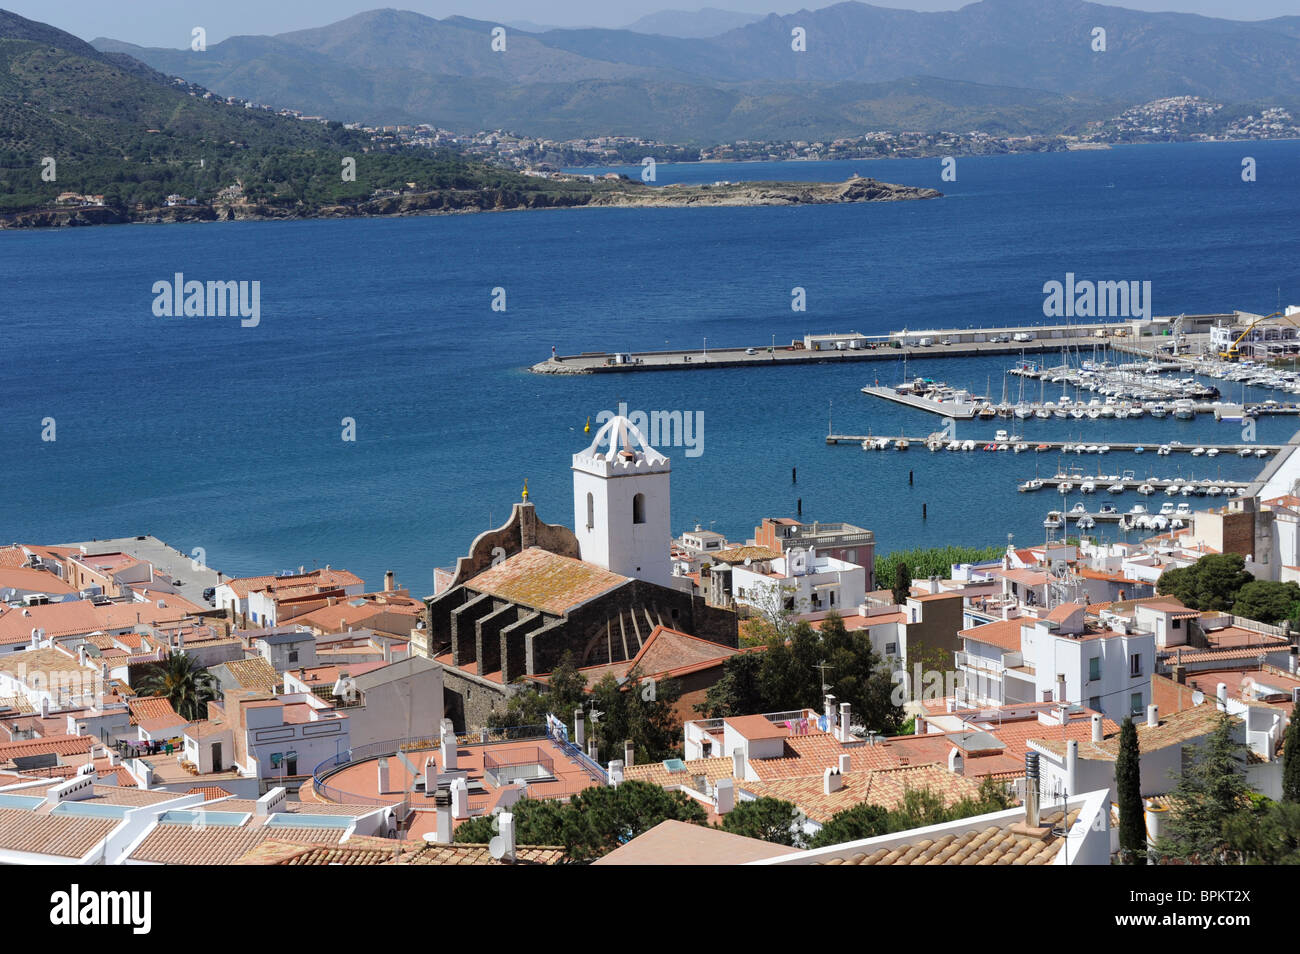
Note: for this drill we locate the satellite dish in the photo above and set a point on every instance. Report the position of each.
(497, 847)
(748, 561)
(1197, 698)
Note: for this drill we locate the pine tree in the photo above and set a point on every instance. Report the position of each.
(1128, 783)
(1291, 761)
(1210, 793)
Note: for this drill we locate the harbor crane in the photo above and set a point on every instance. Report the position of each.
(1232, 352)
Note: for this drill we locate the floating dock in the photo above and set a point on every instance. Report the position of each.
(1150, 447)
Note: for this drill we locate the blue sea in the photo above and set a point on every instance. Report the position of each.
(206, 433)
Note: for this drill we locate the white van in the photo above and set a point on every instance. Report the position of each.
(1024, 336)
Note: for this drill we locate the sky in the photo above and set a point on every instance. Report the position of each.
(168, 23)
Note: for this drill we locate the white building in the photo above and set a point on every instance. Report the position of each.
(621, 504)
(802, 581)
(1061, 657)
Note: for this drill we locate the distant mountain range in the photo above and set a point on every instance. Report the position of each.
(1020, 65)
(692, 24)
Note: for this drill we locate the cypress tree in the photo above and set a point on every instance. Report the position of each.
(1128, 784)
(902, 583)
(1291, 760)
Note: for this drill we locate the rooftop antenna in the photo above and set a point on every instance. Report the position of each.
(821, 667)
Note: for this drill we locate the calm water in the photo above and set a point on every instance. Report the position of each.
(208, 434)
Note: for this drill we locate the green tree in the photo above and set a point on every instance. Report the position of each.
(184, 683)
(1211, 583)
(769, 819)
(639, 709)
(565, 691)
(538, 821)
(597, 820)
(1267, 600)
(1265, 833)
(1128, 783)
(852, 824)
(932, 561)
(1211, 790)
(737, 692)
(1291, 761)
(902, 583)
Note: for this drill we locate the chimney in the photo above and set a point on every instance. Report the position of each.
(920, 726)
(832, 781)
(725, 796)
(1096, 727)
(388, 652)
(844, 722)
(459, 798)
(956, 763)
(1222, 693)
(1031, 789)
(45, 707)
(1153, 716)
(1155, 818)
(430, 776)
(442, 803)
(506, 827)
(449, 749)
(1060, 687)
(1291, 661)
(615, 773)
(382, 764)
(1071, 765)
(1180, 674)
(389, 582)
(845, 762)
(629, 753)
(738, 762)
(830, 711)
(593, 750)
(579, 728)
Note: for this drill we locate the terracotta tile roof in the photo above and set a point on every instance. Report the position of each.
(994, 845)
(658, 774)
(1003, 633)
(327, 579)
(738, 555)
(209, 791)
(32, 580)
(146, 708)
(885, 787)
(253, 673)
(1173, 729)
(67, 836)
(665, 653)
(1064, 612)
(81, 616)
(279, 852)
(130, 795)
(754, 727)
(178, 844)
(545, 581)
(466, 854)
(60, 745)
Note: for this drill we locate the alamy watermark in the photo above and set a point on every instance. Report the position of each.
(664, 428)
(194, 299)
(1089, 299)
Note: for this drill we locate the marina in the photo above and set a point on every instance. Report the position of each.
(1000, 441)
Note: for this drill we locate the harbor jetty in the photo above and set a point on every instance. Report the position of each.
(1139, 337)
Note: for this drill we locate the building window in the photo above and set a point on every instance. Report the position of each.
(1135, 665)
(1135, 704)
(591, 511)
(1178, 624)
(831, 597)
(1095, 703)
(293, 655)
(638, 508)
(1094, 668)
(891, 649)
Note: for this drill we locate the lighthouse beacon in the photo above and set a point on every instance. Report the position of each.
(621, 504)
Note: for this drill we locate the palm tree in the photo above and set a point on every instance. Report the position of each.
(183, 682)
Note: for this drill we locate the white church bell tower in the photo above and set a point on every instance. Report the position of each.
(621, 504)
